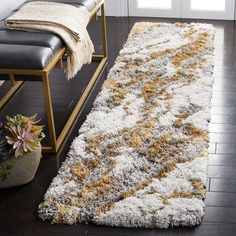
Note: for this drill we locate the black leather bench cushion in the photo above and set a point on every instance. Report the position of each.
(25, 50)
(27, 38)
(24, 56)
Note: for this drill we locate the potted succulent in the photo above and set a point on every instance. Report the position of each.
(20, 150)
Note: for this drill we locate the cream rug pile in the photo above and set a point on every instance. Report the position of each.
(140, 159)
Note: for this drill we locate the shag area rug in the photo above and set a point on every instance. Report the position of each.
(140, 159)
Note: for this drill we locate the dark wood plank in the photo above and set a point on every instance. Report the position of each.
(221, 110)
(222, 128)
(221, 171)
(222, 137)
(226, 148)
(220, 215)
(223, 119)
(223, 185)
(219, 199)
(223, 101)
(212, 147)
(222, 160)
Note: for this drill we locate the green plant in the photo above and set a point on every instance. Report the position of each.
(23, 134)
(4, 153)
(5, 171)
(4, 146)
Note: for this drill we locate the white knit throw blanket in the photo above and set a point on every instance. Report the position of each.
(67, 21)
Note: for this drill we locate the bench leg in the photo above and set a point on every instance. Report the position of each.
(49, 110)
(15, 87)
(97, 57)
(104, 31)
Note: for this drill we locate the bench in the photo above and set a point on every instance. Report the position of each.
(26, 55)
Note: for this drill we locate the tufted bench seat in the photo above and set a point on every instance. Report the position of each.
(26, 55)
(42, 46)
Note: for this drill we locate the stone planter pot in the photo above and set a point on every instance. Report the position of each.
(22, 169)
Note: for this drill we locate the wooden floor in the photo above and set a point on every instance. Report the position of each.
(18, 206)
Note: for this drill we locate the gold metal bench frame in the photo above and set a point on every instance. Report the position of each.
(55, 61)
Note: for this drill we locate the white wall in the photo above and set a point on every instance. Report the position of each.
(8, 6)
(116, 7)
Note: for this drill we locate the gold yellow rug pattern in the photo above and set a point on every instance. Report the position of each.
(140, 159)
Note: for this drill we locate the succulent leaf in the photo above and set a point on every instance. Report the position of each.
(23, 134)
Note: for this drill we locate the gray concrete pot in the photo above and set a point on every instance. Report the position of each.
(22, 169)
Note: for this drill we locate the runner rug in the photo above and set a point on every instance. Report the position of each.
(140, 159)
